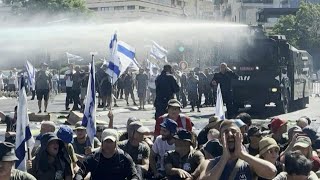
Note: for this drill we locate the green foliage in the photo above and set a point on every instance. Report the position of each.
(303, 29)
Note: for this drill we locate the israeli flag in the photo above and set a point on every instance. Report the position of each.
(122, 55)
(219, 104)
(31, 75)
(72, 57)
(24, 139)
(158, 52)
(89, 114)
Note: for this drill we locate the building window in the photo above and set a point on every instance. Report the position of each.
(159, 10)
(105, 9)
(118, 8)
(94, 9)
(179, 3)
(141, 7)
(131, 7)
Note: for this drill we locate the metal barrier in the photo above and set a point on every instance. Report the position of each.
(316, 89)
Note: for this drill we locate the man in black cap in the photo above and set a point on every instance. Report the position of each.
(254, 136)
(184, 160)
(43, 86)
(166, 87)
(7, 160)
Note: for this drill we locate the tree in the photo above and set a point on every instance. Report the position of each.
(303, 29)
(55, 6)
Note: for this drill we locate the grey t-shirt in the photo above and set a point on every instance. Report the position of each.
(80, 148)
(20, 175)
(137, 153)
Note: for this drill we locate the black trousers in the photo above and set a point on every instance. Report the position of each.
(228, 100)
(76, 98)
(69, 96)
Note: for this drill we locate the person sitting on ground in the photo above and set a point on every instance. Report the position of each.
(65, 133)
(303, 143)
(269, 151)
(302, 122)
(124, 136)
(52, 162)
(312, 134)
(81, 142)
(183, 161)
(297, 166)
(10, 135)
(109, 161)
(246, 118)
(292, 131)
(138, 151)
(235, 162)
(162, 144)
(7, 161)
(213, 134)
(214, 123)
(254, 135)
(243, 127)
(278, 127)
(46, 126)
(174, 113)
(212, 149)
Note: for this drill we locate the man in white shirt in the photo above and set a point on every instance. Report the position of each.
(2, 76)
(69, 83)
(163, 143)
(151, 83)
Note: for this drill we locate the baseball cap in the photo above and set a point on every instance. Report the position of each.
(79, 125)
(138, 126)
(213, 122)
(170, 124)
(239, 123)
(65, 134)
(174, 103)
(276, 123)
(266, 144)
(7, 152)
(132, 119)
(184, 135)
(303, 141)
(253, 131)
(48, 137)
(111, 134)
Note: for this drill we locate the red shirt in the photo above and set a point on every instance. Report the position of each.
(178, 121)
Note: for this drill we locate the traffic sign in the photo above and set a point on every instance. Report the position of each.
(183, 65)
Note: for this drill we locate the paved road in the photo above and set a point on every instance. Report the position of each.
(122, 113)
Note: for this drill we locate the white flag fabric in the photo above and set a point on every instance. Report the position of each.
(122, 55)
(24, 139)
(219, 104)
(72, 57)
(150, 65)
(158, 52)
(31, 75)
(89, 113)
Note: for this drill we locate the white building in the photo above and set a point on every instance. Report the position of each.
(151, 9)
(246, 11)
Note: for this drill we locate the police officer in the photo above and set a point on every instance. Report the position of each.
(224, 78)
(7, 160)
(166, 87)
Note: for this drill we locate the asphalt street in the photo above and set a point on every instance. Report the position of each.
(123, 112)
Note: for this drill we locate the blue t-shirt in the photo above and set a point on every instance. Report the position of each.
(244, 172)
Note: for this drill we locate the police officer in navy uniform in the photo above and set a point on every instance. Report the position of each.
(166, 87)
(224, 78)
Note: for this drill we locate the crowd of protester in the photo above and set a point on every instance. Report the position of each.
(231, 148)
